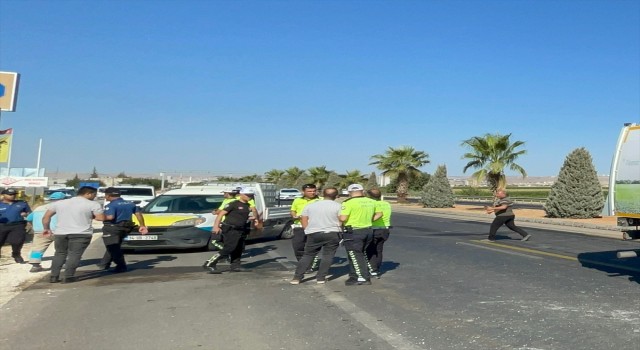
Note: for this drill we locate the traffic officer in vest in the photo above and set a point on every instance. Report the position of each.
(117, 225)
(230, 195)
(309, 195)
(357, 216)
(380, 233)
(232, 228)
(12, 223)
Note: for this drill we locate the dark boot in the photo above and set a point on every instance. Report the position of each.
(210, 264)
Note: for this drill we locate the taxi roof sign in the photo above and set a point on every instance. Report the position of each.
(8, 91)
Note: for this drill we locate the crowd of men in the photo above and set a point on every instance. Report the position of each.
(361, 223)
(68, 224)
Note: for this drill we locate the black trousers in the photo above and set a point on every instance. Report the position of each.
(374, 250)
(356, 244)
(507, 221)
(233, 244)
(69, 250)
(298, 242)
(112, 236)
(328, 242)
(14, 234)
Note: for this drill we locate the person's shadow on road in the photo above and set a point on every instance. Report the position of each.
(131, 266)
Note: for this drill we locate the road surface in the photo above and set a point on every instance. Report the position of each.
(443, 288)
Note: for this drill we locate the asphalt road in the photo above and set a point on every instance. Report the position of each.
(442, 289)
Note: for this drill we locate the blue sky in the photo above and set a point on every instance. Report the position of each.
(236, 87)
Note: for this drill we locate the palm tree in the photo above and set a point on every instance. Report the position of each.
(401, 163)
(491, 154)
(354, 177)
(319, 175)
(273, 175)
(292, 174)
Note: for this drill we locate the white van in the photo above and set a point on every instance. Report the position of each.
(138, 194)
(183, 218)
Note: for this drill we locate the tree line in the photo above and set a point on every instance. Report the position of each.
(576, 193)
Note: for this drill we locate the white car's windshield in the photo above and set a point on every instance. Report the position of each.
(135, 191)
(184, 204)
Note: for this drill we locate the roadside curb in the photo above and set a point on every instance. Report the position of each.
(608, 231)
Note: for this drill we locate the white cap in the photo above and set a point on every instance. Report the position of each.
(230, 190)
(247, 190)
(355, 187)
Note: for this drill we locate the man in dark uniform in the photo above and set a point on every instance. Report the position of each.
(233, 230)
(117, 225)
(12, 223)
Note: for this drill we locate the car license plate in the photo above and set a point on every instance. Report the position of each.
(141, 238)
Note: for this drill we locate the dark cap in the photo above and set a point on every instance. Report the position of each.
(9, 191)
(112, 190)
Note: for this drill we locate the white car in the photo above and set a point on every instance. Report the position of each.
(289, 193)
(138, 194)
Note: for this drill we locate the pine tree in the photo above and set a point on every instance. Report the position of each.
(94, 174)
(372, 182)
(577, 193)
(437, 193)
(75, 182)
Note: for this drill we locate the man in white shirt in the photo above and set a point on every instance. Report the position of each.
(321, 223)
(73, 232)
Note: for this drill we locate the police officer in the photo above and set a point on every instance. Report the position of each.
(12, 223)
(232, 229)
(230, 195)
(380, 233)
(309, 195)
(117, 225)
(357, 215)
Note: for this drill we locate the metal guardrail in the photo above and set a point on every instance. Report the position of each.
(490, 199)
(539, 201)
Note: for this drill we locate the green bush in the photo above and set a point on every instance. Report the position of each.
(577, 192)
(437, 192)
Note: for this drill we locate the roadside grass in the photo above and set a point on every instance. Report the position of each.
(627, 198)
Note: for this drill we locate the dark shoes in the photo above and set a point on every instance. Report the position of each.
(54, 279)
(119, 269)
(18, 259)
(36, 268)
(363, 281)
(211, 268)
(351, 281)
(357, 281)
